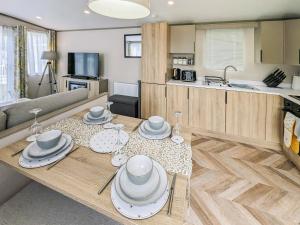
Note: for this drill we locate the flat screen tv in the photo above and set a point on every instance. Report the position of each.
(86, 65)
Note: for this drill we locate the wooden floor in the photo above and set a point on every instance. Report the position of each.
(238, 184)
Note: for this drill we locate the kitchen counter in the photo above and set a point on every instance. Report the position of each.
(284, 92)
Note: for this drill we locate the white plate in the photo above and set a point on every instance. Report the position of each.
(147, 128)
(102, 117)
(105, 141)
(27, 156)
(152, 198)
(137, 212)
(139, 191)
(147, 135)
(35, 151)
(30, 164)
(96, 122)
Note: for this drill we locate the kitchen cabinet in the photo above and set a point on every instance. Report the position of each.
(274, 119)
(183, 39)
(246, 114)
(153, 100)
(272, 42)
(292, 42)
(155, 53)
(177, 100)
(207, 109)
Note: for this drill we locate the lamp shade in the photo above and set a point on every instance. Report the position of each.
(121, 9)
(49, 55)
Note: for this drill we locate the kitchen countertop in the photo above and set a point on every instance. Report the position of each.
(284, 92)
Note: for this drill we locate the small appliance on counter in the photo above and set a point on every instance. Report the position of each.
(188, 75)
(176, 74)
(296, 83)
(275, 78)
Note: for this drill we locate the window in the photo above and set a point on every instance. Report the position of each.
(133, 45)
(223, 47)
(37, 43)
(7, 64)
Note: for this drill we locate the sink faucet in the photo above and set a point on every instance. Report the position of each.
(225, 73)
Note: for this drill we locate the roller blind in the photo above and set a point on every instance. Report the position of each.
(223, 47)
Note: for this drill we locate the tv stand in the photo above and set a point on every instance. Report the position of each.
(81, 77)
(95, 87)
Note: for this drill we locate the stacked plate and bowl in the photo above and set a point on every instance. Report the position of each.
(97, 115)
(155, 128)
(49, 147)
(140, 189)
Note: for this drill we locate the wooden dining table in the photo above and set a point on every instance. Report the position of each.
(80, 175)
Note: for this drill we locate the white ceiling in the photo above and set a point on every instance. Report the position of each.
(68, 14)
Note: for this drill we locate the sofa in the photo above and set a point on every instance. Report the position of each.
(18, 113)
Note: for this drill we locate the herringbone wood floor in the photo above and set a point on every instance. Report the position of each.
(238, 184)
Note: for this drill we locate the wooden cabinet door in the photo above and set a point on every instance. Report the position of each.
(153, 100)
(183, 39)
(207, 109)
(177, 100)
(246, 114)
(292, 42)
(155, 45)
(272, 42)
(274, 119)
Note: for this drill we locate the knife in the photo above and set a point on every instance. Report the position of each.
(171, 195)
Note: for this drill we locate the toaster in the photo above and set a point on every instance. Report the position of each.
(188, 75)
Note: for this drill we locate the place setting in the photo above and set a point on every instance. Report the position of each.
(155, 128)
(140, 188)
(48, 148)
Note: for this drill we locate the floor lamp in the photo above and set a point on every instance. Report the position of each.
(50, 56)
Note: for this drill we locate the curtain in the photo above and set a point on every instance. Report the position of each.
(223, 47)
(21, 70)
(37, 43)
(8, 83)
(52, 45)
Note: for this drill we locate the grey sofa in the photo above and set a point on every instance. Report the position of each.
(19, 113)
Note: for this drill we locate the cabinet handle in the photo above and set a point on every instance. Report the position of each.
(188, 93)
(89, 86)
(165, 91)
(226, 98)
(66, 84)
(261, 56)
(299, 55)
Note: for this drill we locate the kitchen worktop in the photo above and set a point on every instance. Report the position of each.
(282, 91)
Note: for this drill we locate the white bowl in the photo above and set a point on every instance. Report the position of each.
(139, 169)
(156, 122)
(139, 192)
(48, 139)
(96, 111)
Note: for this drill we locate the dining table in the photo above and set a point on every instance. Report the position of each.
(80, 175)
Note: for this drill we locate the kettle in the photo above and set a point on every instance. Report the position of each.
(176, 74)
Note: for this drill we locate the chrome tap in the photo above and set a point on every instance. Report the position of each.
(225, 73)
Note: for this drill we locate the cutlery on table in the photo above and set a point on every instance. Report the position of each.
(171, 195)
(108, 182)
(16, 153)
(58, 161)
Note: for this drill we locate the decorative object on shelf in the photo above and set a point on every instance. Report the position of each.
(36, 127)
(50, 56)
(275, 78)
(183, 60)
(121, 9)
(132, 45)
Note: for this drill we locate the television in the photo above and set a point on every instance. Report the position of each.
(85, 65)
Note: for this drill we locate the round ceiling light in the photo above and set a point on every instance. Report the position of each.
(121, 9)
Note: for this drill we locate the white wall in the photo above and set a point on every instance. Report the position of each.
(253, 71)
(110, 43)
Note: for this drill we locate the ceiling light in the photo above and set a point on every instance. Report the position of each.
(171, 2)
(121, 9)
(38, 17)
(86, 11)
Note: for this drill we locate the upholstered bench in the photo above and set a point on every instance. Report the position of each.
(38, 205)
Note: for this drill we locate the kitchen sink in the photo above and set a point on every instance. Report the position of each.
(244, 86)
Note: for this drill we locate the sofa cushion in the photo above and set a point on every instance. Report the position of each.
(20, 112)
(3, 119)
